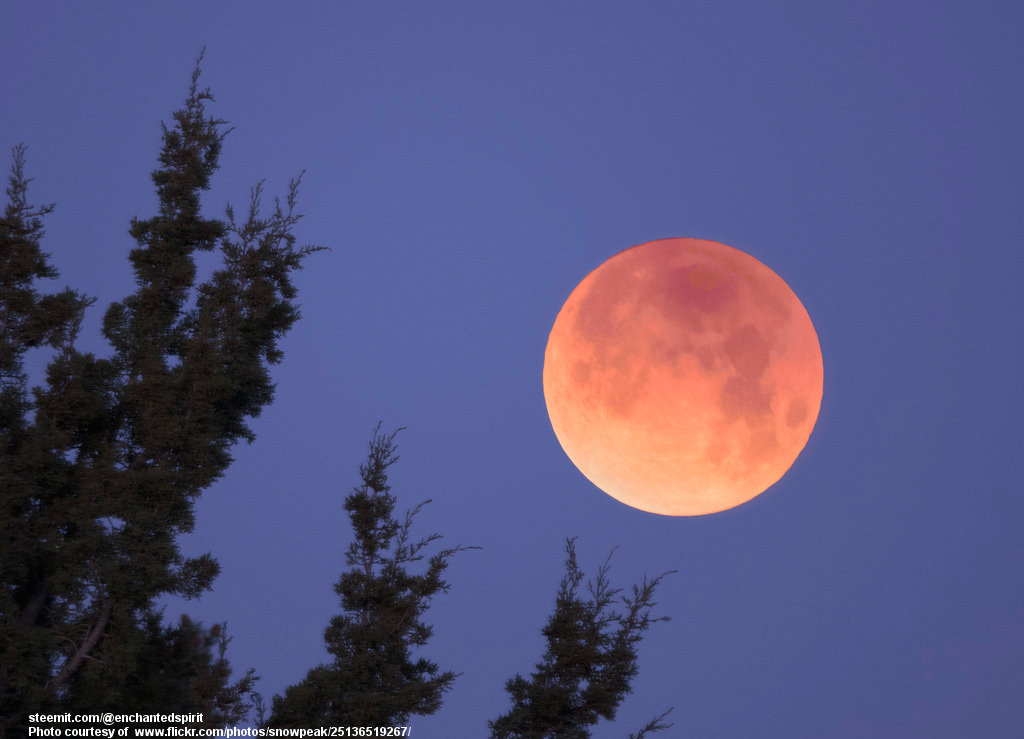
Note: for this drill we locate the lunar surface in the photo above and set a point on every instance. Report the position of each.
(683, 377)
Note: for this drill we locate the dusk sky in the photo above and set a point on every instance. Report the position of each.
(468, 163)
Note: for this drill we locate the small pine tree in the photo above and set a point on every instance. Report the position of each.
(374, 679)
(590, 662)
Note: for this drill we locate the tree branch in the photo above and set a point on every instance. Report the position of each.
(88, 644)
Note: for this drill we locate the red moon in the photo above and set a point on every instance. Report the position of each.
(683, 377)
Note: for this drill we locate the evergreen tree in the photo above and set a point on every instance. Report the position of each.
(590, 662)
(374, 680)
(167, 669)
(101, 465)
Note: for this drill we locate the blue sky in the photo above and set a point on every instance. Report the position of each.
(468, 164)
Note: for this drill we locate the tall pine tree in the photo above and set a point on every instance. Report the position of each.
(590, 662)
(100, 466)
(374, 678)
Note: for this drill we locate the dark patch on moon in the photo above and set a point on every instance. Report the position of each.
(748, 355)
(797, 412)
(748, 352)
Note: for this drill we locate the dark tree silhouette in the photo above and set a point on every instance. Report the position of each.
(167, 669)
(374, 679)
(101, 465)
(590, 662)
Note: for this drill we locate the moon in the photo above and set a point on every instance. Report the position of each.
(683, 377)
